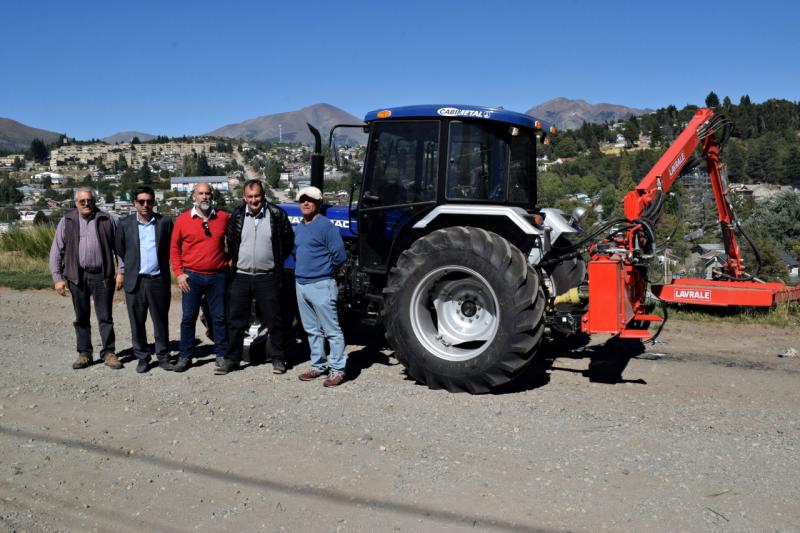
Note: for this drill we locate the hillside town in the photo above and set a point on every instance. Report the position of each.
(172, 166)
(46, 186)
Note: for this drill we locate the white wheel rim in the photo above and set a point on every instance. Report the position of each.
(455, 313)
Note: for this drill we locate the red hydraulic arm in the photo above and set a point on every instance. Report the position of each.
(698, 133)
(618, 266)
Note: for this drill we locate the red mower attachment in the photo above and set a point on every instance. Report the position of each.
(723, 293)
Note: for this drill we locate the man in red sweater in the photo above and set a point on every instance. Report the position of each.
(197, 255)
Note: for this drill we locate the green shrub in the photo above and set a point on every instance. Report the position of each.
(32, 241)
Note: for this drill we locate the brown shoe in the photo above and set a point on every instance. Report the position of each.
(82, 361)
(309, 375)
(112, 361)
(334, 380)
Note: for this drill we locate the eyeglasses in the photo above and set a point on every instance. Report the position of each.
(85, 201)
(206, 229)
(146, 202)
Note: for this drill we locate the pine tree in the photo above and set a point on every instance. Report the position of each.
(38, 151)
(712, 100)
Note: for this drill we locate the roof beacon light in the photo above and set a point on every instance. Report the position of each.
(537, 124)
(384, 114)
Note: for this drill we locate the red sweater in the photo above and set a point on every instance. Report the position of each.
(193, 250)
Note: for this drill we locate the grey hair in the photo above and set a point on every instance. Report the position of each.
(210, 188)
(86, 189)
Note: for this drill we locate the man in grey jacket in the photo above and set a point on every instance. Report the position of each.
(259, 238)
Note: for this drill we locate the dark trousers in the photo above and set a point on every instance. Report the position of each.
(151, 294)
(213, 287)
(101, 290)
(264, 289)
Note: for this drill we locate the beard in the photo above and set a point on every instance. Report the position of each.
(203, 206)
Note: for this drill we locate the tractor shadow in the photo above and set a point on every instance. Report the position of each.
(607, 362)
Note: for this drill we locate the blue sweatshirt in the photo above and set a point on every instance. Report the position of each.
(318, 250)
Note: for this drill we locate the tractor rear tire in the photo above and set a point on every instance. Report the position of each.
(463, 310)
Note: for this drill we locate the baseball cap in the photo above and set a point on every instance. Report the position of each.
(311, 192)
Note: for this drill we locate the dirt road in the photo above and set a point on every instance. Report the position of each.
(699, 433)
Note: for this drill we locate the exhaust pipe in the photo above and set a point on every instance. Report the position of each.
(317, 159)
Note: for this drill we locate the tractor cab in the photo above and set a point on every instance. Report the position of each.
(420, 158)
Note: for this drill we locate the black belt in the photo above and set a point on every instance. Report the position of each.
(149, 276)
(93, 270)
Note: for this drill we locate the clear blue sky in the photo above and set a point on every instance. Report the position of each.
(91, 69)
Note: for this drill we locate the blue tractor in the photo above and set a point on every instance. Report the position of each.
(446, 245)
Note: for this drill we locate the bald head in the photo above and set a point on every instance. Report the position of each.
(202, 196)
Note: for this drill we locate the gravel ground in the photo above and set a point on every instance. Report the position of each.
(697, 433)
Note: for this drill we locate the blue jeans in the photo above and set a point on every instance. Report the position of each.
(317, 304)
(213, 287)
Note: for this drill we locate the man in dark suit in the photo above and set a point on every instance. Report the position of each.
(142, 244)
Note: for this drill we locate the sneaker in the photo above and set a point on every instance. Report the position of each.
(310, 375)
(226, 366)
(219, 361)
(112, 361)
(82, 361)
(165, 364)
(278, 366)
(334, 380)
(182, 365)
(142, 366)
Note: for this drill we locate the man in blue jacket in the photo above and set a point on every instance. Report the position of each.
(319, 251)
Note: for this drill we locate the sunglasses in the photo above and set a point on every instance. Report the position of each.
(206, 229)
(146, 202)
(85, 201)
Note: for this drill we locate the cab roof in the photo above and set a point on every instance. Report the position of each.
(497, 114)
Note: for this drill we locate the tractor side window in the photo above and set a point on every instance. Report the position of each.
(521, 176)
(478, 162)
(405, 162)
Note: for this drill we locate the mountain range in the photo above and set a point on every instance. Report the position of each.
(127, 136)
(291, 125)
(568, 114)
(16, 136)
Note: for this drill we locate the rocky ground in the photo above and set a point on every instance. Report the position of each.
(698, 433)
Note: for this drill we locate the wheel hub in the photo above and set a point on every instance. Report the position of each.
(455, 313)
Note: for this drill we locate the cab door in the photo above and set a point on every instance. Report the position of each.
(400, 181)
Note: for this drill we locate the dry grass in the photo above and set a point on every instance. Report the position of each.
(19, 271)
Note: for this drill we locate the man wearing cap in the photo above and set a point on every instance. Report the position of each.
(82, 258)
(259, 239)
(197, 254)
(319, 251)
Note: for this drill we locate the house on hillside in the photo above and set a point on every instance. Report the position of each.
(187, 183)
(792, 264)
(55, 177)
